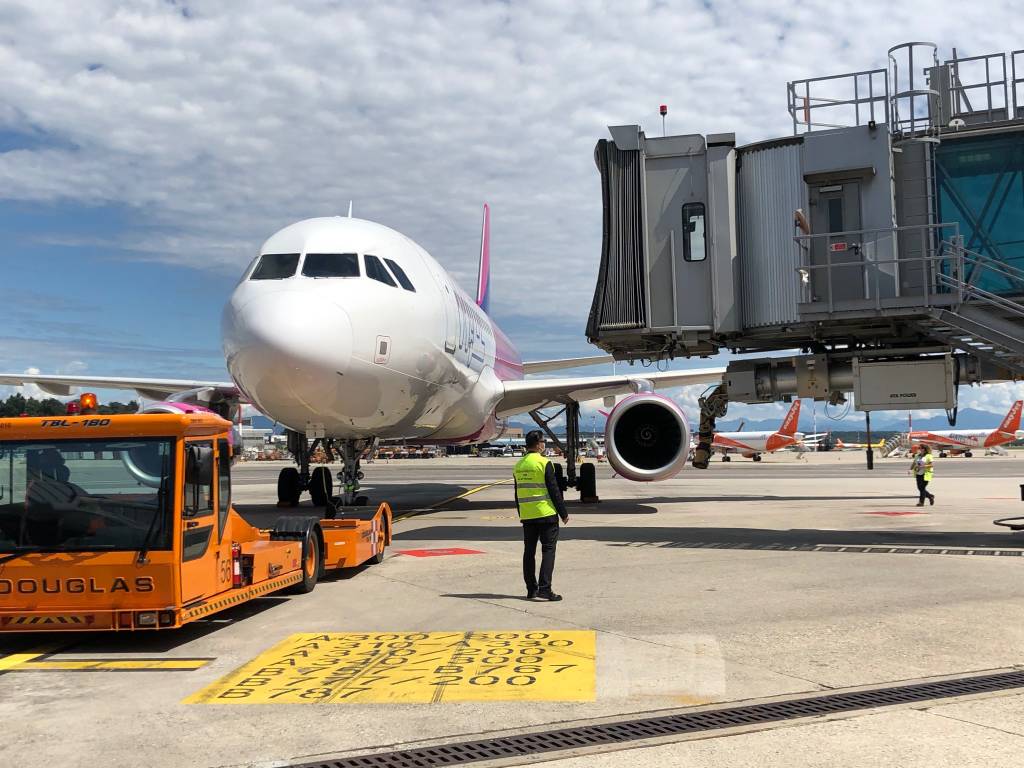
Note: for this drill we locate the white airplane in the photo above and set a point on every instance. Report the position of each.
(962, 441)
(752, 444)
(347, 332)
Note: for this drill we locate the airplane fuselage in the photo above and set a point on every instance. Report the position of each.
(361, 350)
(752, 443)
(962, 439)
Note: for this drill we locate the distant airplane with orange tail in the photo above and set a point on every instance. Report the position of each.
(752, 444)
(963, 441)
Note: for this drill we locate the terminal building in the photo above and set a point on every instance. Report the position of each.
(883, 239)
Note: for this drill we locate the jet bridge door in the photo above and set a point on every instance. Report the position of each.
(835, 207)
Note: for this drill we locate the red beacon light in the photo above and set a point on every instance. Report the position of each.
(73, 408)
(88, 403)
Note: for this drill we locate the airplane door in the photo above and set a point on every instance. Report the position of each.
(451, 319)
(198, 565)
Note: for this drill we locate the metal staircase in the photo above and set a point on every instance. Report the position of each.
(980, 322)
(895, 445)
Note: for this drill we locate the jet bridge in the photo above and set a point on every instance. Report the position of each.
(884, 238)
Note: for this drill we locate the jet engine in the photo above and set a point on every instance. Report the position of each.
(647, 438)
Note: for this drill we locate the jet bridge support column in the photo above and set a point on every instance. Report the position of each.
(712, 406)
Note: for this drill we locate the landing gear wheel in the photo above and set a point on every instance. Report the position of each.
(756, 457)
(968, 454)
(727, 457)
(289, 487)
(587, 485)
(321, 486)
(310, 564)
(942, 454)
(560, 477)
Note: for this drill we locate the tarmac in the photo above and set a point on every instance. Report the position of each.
(791, 578)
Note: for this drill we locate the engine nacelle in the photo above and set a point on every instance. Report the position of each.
(647, 438)
(144, 463)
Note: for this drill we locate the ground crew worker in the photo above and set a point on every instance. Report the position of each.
(540, 504)
(922, 469)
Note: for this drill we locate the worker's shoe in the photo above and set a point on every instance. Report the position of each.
(549, 596)
(931, 500)
(531, 594)
(920, 503)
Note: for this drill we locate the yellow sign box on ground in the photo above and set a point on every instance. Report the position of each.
(414, 667)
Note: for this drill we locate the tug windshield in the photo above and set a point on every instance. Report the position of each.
(84, 495)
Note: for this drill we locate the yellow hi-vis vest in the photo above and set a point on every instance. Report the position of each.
(531, 490)
(923, 466)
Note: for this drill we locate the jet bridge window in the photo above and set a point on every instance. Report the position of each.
(694, 245)
(376, 271)
(275, 266)
(331, 265)
(399, 273)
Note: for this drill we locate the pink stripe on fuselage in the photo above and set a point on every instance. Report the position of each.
(508, 365)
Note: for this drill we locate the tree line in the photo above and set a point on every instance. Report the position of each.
(16, 405)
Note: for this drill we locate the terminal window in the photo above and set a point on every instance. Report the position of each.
(694, 246)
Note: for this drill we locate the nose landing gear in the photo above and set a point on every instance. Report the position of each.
(292, 481)
(350, 474)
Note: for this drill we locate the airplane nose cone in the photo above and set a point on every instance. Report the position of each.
(287, 350)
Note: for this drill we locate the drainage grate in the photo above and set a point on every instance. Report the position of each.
(526, 744)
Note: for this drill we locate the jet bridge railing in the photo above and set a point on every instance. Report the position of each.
(863, 270)
(854, 98)
(1017, 81)
(984, 80)
(975, 268)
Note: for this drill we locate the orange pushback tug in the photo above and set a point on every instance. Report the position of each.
(126, 523)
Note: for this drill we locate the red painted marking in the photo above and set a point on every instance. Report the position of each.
(894, 514)
(439, 552)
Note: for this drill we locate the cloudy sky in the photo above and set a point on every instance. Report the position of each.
(148, 147)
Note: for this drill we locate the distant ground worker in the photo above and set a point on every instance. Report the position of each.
(540, 504)
(923, 472)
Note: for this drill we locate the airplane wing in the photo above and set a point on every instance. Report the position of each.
(543, 366)
(151, 389)
(530, 394)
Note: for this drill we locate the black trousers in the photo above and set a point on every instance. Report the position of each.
(544, 530)
(922, 489)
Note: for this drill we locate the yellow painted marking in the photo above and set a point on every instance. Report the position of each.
(17, 659)
(112, 665)
(414, 667)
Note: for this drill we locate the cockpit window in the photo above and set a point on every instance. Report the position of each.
(399, 273)
(275, 266)
(376, 271)
(331, 265)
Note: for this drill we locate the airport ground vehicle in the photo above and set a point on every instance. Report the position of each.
(126, 523)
